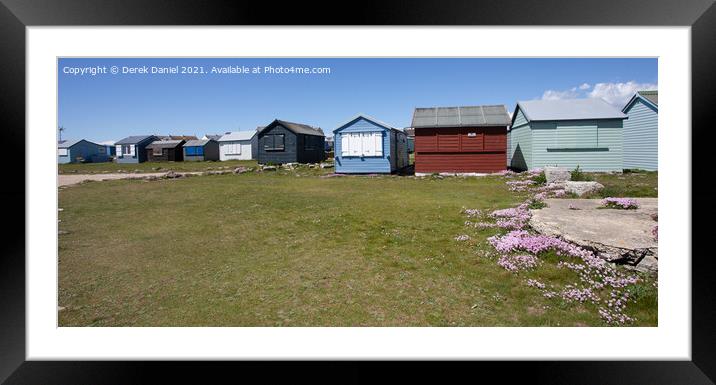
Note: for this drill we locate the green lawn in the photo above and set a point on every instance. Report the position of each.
(295, 249)
(111, 167)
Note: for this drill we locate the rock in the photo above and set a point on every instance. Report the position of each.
(172, 175)
(581, 188)
(241, 170)
(62, 232)
(156, 168)
(269, 168)
(648, 264)
(326, 165)
(557, 174)
(60, 209)
(619, 236)
(61, 308)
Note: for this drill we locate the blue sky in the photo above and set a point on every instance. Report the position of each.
(106, 106)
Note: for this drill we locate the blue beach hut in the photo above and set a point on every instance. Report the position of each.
(366, 145)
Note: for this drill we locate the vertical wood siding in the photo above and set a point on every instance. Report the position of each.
(641, 140)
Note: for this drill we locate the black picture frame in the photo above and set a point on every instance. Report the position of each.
(16, 15)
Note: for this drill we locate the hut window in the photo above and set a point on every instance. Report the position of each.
(62, 151)
(118, 150)
(128, 150)
(157, 151)
(233, 148)
(274, 142)
(362, 144)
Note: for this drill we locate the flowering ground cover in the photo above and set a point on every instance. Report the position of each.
(620, 203)
(596, 285)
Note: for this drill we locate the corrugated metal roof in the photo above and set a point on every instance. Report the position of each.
(134, 139)
(652, 96)
(237, 135)
(198, 142)
(165, 144)
(569, 109)
(466, 116)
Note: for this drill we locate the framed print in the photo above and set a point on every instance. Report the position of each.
(475, 182)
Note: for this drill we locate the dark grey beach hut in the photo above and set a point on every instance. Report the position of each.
(286, 142)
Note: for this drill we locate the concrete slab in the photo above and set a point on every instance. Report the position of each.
(622, 236)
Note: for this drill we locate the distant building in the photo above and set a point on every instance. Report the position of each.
(239, 145)
(641, 131)
(165, 151)
(132, 149)
(80, 151)
(109, 147)
(200, 150)
(288, 142)
(410, 132)
(210, 137)
(567, 133)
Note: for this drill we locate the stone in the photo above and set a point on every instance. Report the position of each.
(172, 175)
(241, 170)
(326, 165)
(581, 188)
(269, 168)
(62, 232)
(619, 236)
(557, 174)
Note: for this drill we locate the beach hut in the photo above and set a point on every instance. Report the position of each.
(165, 151)
(641, 131)
(132, 149)
(80, 151)
(411, 139)
(566, 133)
(367, 145)
(238, 145)
(200, 150)
(460, 140)
(288, 142)
(109, 148)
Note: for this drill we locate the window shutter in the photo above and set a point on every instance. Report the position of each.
(345, 145)
(118, 149)
(378, 141)
(366, 143)
(355, 144)
(237, 148)
(131, 150)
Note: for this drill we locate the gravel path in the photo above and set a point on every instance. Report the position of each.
(70, 179)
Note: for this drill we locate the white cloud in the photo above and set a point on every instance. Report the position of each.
(618, 93)
(556, 95)
(614, 93)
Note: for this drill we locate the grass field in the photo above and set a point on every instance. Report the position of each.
(295, 249)
(111, 167)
